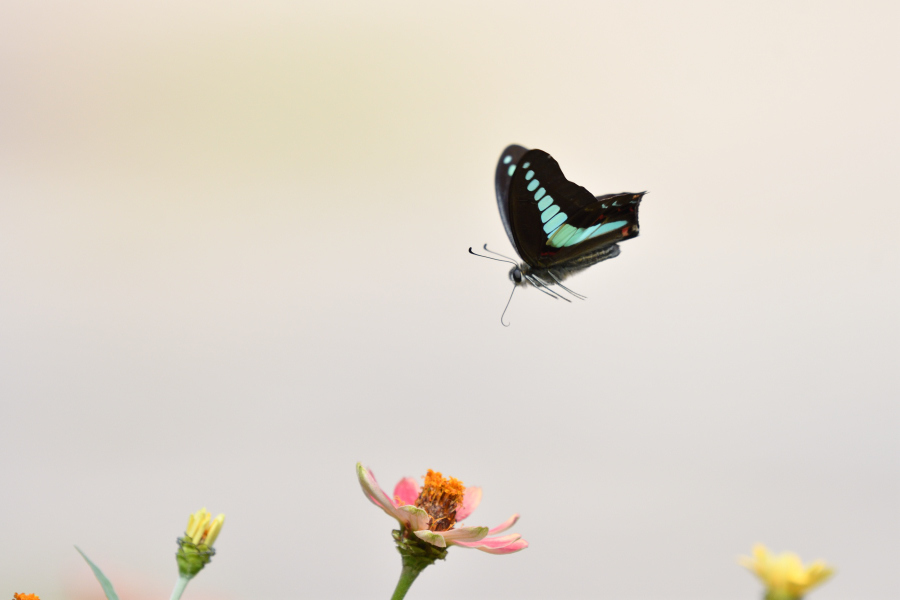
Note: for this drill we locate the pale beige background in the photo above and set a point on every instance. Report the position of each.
(233, 262)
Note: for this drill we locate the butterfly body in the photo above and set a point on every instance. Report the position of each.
(557, 227)
(521, 273)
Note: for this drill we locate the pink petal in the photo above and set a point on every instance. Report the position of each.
(471, 499)
(414, 518)
(495, 542)
(514, 547)
(376, 495)
(465, 534)
(372, 490)
(435, 539)
(505, 525)
(406, 492)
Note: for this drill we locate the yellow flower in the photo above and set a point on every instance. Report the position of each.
(784, 575)
(201, 531)
(195, 549)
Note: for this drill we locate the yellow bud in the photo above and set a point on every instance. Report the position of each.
(784, 575)
(201, 529)
(197, 524)
(214, 529)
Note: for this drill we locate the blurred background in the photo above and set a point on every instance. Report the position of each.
(234, 263)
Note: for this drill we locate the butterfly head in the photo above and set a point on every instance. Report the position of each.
(515, 275)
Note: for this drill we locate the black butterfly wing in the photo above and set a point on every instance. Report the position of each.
(506, 167)
(554, 220)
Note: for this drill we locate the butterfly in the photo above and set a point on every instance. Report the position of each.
(557, 227)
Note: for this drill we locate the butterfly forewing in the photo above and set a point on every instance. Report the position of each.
(506, 167)
(553, 220)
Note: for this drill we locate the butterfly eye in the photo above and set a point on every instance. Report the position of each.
(515, 275)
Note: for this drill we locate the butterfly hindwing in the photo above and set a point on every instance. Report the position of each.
(612, 218)
(506, 167)
(553, 220)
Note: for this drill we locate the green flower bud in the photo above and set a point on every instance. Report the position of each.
(195, 549)
(192, 557)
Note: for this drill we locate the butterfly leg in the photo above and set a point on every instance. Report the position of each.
(537, 286)
(559, 283)
(547, 285)
(542, 286)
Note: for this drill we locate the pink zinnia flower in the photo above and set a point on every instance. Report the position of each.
(433, 512)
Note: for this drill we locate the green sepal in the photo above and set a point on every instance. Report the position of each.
(417, 554)
(192, 557)
(104, 582)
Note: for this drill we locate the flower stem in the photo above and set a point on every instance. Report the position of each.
(407, 576)
(179, 587)
(416, 555)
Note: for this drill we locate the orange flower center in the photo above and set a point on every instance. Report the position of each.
(439, 498)
(25, 597)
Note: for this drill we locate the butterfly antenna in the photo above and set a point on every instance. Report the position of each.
(547, 285)
(491, 257)
(507, 306)
(559, 283)
(498, 254)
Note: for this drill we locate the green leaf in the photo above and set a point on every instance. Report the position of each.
(104, 582)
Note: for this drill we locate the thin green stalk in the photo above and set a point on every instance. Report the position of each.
(407, 576)
(416, 555)
(179, 587)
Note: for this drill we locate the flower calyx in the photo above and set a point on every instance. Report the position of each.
(416, 553)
